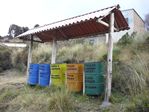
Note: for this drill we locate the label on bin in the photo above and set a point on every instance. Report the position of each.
(70, 76)
(89, 81)
(55, 65)
(55, 76)
(75, 77)
(55, 68)
(74, 68)
(91, 87)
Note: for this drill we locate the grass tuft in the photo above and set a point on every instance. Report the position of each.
(61, 101)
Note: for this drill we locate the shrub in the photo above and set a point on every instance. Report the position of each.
(130, 74)
(139, 103)
(19, 58)
(81, 53)
(61, 101)
(127, 80)
(42, 53)
(126, 39)
(5, 59)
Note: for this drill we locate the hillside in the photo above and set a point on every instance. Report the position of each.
(130, 84)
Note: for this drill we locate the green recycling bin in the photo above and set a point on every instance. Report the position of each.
(94, 78)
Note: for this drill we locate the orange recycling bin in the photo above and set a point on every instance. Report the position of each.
(75, 77)
(75, 86)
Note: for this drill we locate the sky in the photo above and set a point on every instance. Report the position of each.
(27, 13)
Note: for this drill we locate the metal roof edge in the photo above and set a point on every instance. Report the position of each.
(26, 33)
(116, 6)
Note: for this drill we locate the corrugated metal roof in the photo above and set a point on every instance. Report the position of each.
(77, 26)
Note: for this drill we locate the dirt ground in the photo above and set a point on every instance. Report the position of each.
(11, 78)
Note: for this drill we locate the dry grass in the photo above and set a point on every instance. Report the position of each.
(140, 65)
(42, 53)
(61, 101)
(35, 99)
(127, 80)
(131, 73)
(70, 53)
(81, 53)
(16, 96)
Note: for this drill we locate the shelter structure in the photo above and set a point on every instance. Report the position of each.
(107, 20)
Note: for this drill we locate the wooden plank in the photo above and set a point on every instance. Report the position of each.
(54, 49)
(109, 63)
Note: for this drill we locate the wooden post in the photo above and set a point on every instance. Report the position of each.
(109, 63)
(29, 54)
(83, 83)
(54, 48)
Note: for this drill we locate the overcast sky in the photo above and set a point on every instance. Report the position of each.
(31, 12)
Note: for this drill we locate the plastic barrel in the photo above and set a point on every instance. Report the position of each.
(33, 74)
(94, 89)
(58, 74)
(94, 78)
(75, 86)
(44, 74)
(75, 77)
(94, 67)
(75, 68)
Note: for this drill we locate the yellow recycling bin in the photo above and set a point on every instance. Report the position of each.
(58, 74)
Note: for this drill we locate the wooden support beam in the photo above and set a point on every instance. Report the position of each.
(32, 40)
(103, 23)
(29, 61)
(54, 49)
(106, 24)
(109, 63)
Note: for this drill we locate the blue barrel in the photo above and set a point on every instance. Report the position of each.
(33, 74)
(44, 74)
